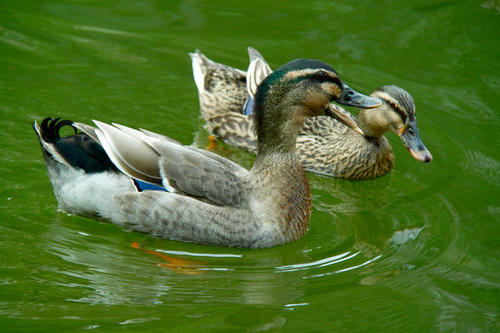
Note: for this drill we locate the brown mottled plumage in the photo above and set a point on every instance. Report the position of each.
(341, 147)
(360, 158)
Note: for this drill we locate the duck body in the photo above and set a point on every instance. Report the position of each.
(222, 92)
(341, 147)
(235, 208)
(147, 182)
(361, 158)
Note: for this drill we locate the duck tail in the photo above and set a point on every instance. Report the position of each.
(200, 64)
(77, 151)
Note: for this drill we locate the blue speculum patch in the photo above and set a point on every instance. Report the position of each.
(144, 186)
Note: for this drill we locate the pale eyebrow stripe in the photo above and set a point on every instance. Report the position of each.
(387, 98)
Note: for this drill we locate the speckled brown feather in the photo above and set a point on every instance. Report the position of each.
(219, 87)
(324, 145)
(235, 129)
(356, 157)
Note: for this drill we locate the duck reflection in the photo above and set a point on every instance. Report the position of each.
(348, 240)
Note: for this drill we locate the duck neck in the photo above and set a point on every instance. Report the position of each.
(277, 132)
(283, 192)
(372, 123)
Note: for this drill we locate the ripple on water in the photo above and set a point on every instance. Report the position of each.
(483, 166)
(103, 266)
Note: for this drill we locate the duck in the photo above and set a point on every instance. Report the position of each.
(150, 183)
(341, 146)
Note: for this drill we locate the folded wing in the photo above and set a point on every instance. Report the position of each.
(158, 159)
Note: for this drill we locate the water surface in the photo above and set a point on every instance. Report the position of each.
(416, 250)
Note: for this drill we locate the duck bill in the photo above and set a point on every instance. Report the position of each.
(337, 112)
(351, 97)
(411, 139)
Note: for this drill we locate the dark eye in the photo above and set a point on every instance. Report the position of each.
(322, 76)
(411, 131)
(392, 105)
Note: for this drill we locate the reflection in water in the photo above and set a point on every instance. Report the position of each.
(362, 250)
(400, 237)
(318, 263)
(110, 274)
(107, 31)
(178, 265)
(492, 4)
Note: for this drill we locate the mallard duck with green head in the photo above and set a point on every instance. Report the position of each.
(339, 146)
(150, 183)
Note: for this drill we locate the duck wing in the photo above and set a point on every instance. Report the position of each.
(258, 70)
(236, 130)
(151, 157)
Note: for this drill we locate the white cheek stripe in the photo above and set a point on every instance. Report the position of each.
(302, 72)
(295, 74)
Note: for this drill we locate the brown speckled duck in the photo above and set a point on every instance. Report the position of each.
(340, 147)
(149, 183)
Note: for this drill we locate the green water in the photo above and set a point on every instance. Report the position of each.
(417, 250)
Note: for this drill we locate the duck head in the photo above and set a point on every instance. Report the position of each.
(301, 88)
(396, 114)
